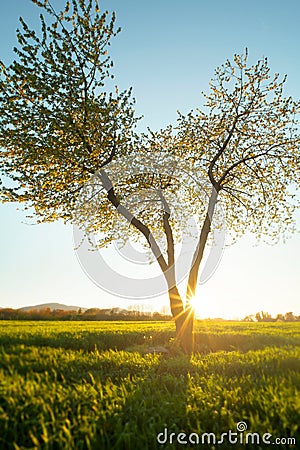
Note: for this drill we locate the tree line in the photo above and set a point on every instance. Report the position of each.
(263, 316)
(89, 314)
(119, 314)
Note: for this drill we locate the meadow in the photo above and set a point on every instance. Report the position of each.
(98, 385)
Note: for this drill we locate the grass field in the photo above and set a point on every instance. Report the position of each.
(93, 385)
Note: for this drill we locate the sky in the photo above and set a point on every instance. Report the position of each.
(167, 51)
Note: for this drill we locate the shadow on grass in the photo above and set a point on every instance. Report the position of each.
(120, 400)
(87, 341)
(210, 342)
(204, 342)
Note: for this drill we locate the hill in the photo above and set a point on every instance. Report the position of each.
(52, 307)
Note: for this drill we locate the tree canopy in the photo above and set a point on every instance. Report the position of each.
(58, 123)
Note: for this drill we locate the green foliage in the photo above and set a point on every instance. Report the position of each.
(56, 395)
(246, 142)
(58, 123)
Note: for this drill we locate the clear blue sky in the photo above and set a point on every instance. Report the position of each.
(167, 52)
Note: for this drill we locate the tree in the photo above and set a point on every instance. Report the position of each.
(60, 127)
(289, 317)
(264, 317)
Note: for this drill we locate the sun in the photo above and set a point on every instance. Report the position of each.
(195, 303)
(202, 309)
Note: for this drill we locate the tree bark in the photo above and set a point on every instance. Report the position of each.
(185, 330)
(198, 255)
(184, 321)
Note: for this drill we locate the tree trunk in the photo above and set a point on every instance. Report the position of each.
(184, 321)
(185, 330)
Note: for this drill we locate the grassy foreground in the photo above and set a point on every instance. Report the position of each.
(93, 385)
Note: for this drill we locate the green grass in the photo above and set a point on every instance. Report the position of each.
(92, 385)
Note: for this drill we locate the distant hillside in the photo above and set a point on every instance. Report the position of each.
(52, 306)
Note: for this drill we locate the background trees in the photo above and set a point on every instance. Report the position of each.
(60, 128)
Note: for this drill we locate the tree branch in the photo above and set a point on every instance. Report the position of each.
(260, 181)
(215, 184)
(198, 255)
(112, 154)
(108, 186)
(229, 190)
(247, 158)
(167, 229)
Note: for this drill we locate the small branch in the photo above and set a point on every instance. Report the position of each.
(81, 64)
(112, 154)
(237, 198)
(260, 181)
(247, 158)
(236, 190)
(215, 184)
